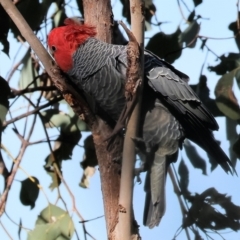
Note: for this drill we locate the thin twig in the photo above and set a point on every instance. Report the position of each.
(23, 170)
(238, 21)
(210, 50)
(178, 193)
(15, 67)
(6, 231)
(181, 11)
(30, 90)
(93, 219)
(58, 172)
(10, 179)
(217, 38)
(57, 99)
(15, 223)
(186, 6)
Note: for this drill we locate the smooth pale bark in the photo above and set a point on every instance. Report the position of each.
(128, 229)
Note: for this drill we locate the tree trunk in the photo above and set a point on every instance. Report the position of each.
(99, 14)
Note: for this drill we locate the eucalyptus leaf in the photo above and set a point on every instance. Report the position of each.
(191, 16)
(232, 136)
(62, 150)
(4, 28)
(59, 17)
(33, 12)
(204, 214)
(4, 103)
(150, 10)
(80, 6)
(189, 35)
(54, 222)
(166, 46)
(29, 191)
(196, 160)
(28, 72)
(197, 2)
(55, 118)
(236, 147)
(89, 161)
(184, 178)
(228, 63)
(225, 98)
(234, 26)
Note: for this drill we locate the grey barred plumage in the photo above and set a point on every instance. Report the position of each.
(95, 64)
(171, 111)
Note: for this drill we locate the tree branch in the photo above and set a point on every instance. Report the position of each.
(128, 229)
(73, 98)
(35, 110)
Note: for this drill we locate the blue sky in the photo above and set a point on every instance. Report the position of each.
(89, 202)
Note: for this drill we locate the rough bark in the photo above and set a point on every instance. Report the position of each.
(99, 14)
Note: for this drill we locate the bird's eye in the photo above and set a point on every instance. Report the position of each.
(53, 48)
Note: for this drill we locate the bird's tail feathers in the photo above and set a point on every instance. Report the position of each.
(155, 203)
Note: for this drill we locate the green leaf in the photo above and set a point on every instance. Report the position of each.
(29, 191)
(203, 43)
(33, 12)
(118, 37)
(197, 2)
(45, 81)
(55, 118)
(166, 46)
(89, 161)
(234, 27)
(65, 143)
(81, 125)
(202, 91)
(4, 94)
(50, 171)
(59, 17)
(4, 28)
(205, 216)
(236, 147)
(184, 178)
(232, 136)
(213, 161)
(227, 64)
(19, 229)
(225, 98)
(189, 35)
(150, 10)
(28, 72)
(191, 16)
(80, 6)
(53, 223)
(196, 160)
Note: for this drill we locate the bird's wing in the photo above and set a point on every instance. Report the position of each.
(175, 93)
(174, 89)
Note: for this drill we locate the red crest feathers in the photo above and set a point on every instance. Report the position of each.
(66, 39)
(77, 33)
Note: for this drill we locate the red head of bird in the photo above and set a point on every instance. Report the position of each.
(64, 41)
